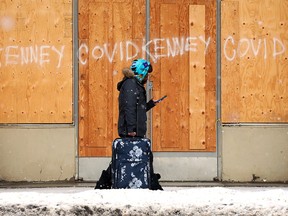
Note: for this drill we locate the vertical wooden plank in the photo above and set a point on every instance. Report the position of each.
(155, 77)
(197, 78)
(183, 68)
(230, 69)
(210, 76)
(83, 19)
(83, 60)
(138, 19)
(170, 131)
(8, 92)
(99, 22)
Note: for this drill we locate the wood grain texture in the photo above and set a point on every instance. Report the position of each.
(36, 62)
(257, 91)
(110, 25)
(197, 64)
(173, 123)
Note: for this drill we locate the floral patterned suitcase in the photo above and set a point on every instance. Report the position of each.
(131, 163)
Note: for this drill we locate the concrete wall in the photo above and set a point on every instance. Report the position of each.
(174, 166)
(48, 154)
(248, 150)
(33, 154)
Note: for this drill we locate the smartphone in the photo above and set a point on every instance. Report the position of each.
(162, 98)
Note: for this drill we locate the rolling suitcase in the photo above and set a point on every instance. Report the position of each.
(131, 163)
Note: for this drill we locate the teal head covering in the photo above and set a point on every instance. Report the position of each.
(141, 68)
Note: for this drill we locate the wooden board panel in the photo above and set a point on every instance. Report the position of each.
(83, 57)
(169, 80)
(197, 77)
(115, 36)
(210, 76)
(260, 49)
(99, 77)
(230, 69)
(115, 29)
(170, 31)
(35, 62)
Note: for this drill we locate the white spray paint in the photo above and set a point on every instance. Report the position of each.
(156, 48)
(162, 47)
(246, 45)
(41, 55)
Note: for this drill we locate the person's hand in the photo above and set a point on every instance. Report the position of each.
(132, 134)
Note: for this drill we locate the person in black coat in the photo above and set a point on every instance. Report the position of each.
(132, 100)
(132, 113)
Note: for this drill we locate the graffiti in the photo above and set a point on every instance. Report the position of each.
(257, 47)
(18, 55)
(155, 49)
(161, 48)
(171, 47)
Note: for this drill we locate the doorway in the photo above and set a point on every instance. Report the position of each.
(179, 39)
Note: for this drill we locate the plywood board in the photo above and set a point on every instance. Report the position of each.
(170, 30)
(230, 69)
(115, 29)
(257, 91)
(116, 35)
(36, 62)
(169, 81)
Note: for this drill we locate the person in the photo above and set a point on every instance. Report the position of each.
(132, 100)
(132, 119)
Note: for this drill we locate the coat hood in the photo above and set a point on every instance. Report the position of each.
(128, 73)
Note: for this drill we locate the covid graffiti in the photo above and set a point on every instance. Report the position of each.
(155, 49)
(232, 49)
(262, 48)
(160, 48)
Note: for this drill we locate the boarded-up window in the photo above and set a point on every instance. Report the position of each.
(254, 61)
(110, 33)
(35, 61)
(184, 42)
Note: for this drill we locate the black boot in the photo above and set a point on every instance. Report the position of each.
(105, 179)
(155, 185)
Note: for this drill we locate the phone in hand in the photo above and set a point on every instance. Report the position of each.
(159, 100)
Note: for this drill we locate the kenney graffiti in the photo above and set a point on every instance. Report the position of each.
(41, 55)
(155, 49)
(170, 47)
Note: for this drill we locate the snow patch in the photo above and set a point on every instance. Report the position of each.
(171, 201)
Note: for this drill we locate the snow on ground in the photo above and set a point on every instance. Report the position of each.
(171, 201)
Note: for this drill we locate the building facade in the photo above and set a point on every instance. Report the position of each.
(222, 64)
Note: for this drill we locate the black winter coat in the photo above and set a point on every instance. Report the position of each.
(132, 106)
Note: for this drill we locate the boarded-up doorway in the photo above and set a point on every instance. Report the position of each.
(181, 45)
